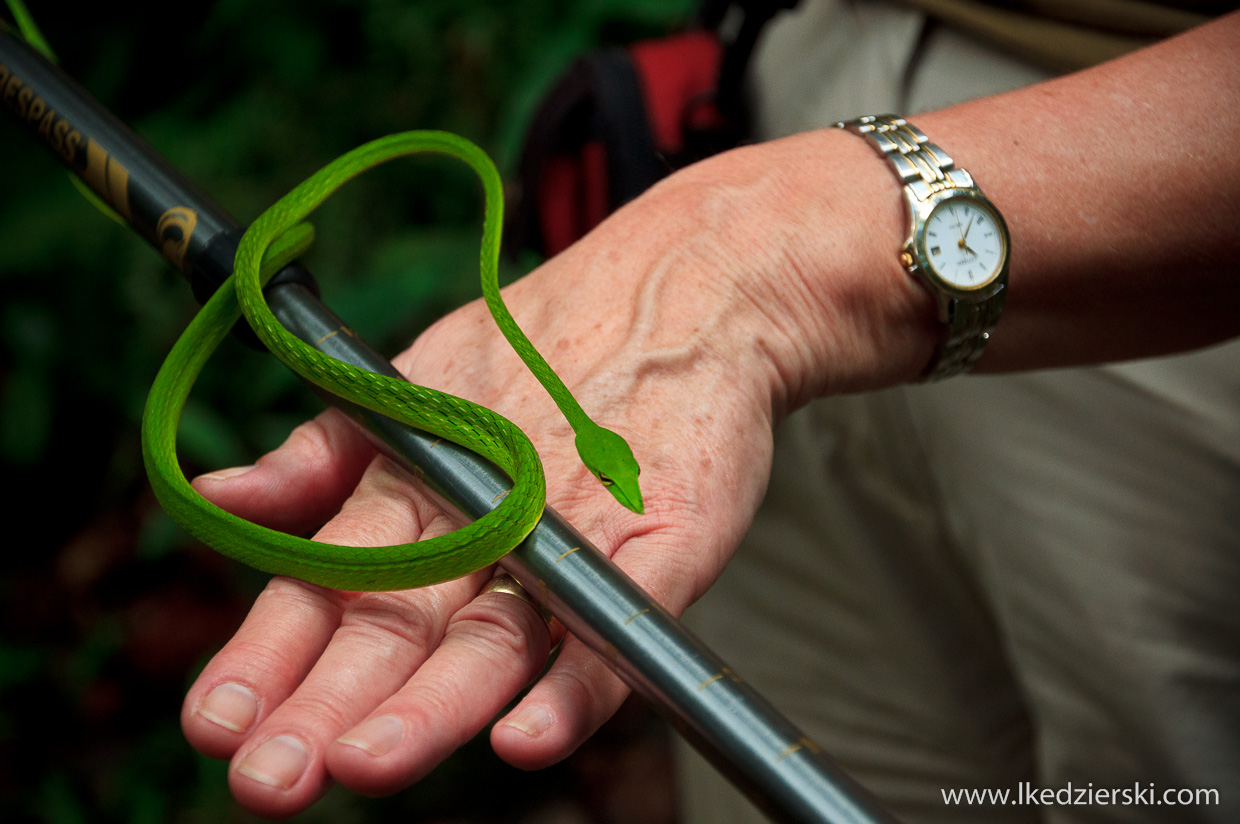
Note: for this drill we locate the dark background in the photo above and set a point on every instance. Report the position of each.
(108, 608)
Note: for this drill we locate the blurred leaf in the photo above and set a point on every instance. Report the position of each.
(25, 416)
(92, 655)
(413, 278)
(207, 440)
(59, 802)
(158, 535)
(19, 663)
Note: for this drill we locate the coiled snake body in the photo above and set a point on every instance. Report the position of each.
(273, 240)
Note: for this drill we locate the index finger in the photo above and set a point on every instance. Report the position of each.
(300, 484)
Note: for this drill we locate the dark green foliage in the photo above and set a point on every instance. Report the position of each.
(107, 606)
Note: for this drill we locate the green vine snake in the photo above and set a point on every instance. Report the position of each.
(273, 240)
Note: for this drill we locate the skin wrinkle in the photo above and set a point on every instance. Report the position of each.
(616, 315)
(404, 494)
(329, 709)
(395, 645)
(300, 593)
(436, 697)
(315, 441)
(372, 512)
(845, 314)
(713, 340)
(677, 565)
(786, 383)
(265, 658)
(494, 632)
(578, 683)
(290, 594)
(386, 622)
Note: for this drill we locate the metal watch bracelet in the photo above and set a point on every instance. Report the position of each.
(925, 170)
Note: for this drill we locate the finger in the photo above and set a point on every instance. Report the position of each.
(492, 648)
(380, 641)
(564, 708)
(295, 487)
(286, 631)
(580, 692)
(284, 634)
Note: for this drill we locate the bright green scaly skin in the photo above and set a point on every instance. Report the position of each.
(275, 238)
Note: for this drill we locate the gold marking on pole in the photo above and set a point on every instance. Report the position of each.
(435, 444)
(173, 231)
(108, 178)
(500, 496)
(330, 334)
(566, 554)
(811, 745)
(710, 681)
(96, 172)
(789, 751)
(118, 187)
(636, 615)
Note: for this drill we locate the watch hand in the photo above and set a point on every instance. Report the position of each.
(959, 230)
(967, 228)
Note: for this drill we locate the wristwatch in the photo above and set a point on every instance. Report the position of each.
(957, 245)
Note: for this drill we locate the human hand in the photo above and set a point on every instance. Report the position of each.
(686, 323)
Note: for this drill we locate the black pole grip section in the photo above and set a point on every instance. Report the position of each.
(182, 222)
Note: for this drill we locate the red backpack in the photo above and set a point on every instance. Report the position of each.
(621, 119)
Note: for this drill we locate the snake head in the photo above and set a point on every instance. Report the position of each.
(609, 458)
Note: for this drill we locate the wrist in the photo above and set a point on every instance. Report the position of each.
(828, 224)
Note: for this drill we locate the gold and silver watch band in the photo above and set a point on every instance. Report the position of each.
(968, 330)
(922, 167)
(925, 170)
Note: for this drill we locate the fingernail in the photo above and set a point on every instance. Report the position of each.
(533, 721)
(378, 736)
(277, 763)
(230, 705)
(225, 474)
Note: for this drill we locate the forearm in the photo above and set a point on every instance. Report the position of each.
(1121, 191)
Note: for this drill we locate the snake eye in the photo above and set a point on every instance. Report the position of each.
(606, 481)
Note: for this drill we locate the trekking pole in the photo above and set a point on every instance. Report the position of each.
(746, 738)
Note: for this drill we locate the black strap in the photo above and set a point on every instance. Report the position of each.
(755, 14)
(621, 121)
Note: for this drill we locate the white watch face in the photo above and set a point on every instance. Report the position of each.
(965, 245)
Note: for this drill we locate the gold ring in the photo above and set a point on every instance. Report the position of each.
(507, 584)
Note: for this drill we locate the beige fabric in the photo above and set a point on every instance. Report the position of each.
(995, 579)
(1062, 35)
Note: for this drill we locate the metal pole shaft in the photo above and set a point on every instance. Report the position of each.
(762, 752)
